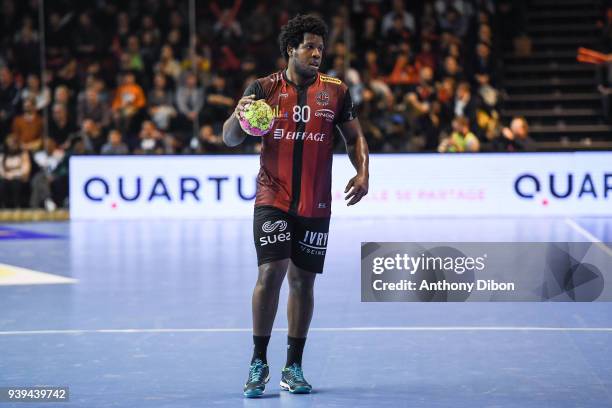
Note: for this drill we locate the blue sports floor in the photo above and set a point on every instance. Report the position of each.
(160, 316)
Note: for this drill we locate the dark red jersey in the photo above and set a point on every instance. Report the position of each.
(296, 156)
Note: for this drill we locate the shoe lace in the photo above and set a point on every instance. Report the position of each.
(297, 373)
(256, 371)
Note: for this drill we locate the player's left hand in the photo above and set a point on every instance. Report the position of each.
(356, 188)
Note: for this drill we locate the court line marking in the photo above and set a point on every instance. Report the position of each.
(320, 329)
(588, 235)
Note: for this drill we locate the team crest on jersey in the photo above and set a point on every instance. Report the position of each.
(322, 98)
(325, 78)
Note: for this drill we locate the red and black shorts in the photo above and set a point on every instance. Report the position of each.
(279, 235)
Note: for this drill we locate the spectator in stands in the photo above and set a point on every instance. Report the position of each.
(33, 89)
(26, 47)
(369, 38)
(487, 127)
(134, 61)
(92, 136)
(149, 52)
(372, 67)
(227, 28)
(63, 96)
(219, 102)
(57, 38)
(209, 142)
(485, 36)
(47, 161)
(454, 22)
(127, 106)
(58, 178)
(122, 32)
(9, 101)
(115, 144)
(60, 126)
(426, 57)
(178, 24)
(161, 103)
(466, 104)
(87, 38)
(28, 127)
(461, 140)
(445, 96)
(15, 170)
(151, 139)
(189, 101)
(396, 35)
(419, 103)
(67, 75)
(167, 64)
(259, 28)
(378, 102)
(404, 71)
(149, 27)
(200, 60)
(91, 107)
(350, 76)
(515, 138)
(340, 32)
(398, 13)
(482, 67)
(452, 69)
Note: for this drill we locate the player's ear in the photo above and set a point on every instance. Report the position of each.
(290, 50)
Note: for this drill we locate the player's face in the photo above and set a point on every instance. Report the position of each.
(308, 55)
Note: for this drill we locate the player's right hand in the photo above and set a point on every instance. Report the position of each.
(242, 104)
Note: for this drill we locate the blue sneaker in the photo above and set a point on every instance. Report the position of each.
(292, 380)
(259, 375)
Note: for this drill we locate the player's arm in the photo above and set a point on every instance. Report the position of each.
(233, 134)
(357, 149)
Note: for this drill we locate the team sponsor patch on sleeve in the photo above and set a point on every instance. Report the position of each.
(325, 78)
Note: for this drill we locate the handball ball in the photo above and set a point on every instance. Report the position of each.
(257, 119)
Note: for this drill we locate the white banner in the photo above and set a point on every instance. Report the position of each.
(569, 184)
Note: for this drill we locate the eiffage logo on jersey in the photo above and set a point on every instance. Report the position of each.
(280, 134)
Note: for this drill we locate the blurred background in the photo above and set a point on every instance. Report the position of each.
(160, 77)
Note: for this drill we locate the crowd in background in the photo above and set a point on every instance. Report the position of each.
(132, 77)
(605, 72)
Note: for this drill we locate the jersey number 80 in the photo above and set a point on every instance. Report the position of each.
(301, 113)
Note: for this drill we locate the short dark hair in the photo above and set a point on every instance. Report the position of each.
(292, 34)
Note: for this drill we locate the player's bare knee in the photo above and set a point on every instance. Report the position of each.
(271, 275)
(301, 282)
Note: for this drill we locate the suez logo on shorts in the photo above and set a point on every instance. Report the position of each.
(270, 227)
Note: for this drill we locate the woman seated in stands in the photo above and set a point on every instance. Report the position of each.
(15, 170)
